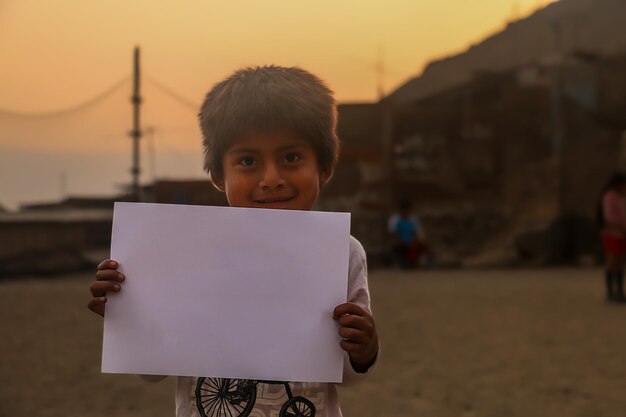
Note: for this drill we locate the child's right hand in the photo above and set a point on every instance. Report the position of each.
(108, 279)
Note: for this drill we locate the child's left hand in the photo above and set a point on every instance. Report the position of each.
(359, 335)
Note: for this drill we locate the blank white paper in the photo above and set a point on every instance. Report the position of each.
(227, 292)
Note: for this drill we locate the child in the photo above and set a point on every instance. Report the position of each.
(611, 217)
(269, 142)
(407, 236)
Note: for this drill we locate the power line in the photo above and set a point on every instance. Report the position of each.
(173, 94)
(74, 109)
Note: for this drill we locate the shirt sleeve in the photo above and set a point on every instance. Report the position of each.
(358, 293)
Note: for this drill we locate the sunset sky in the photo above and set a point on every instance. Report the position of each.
(58, 54)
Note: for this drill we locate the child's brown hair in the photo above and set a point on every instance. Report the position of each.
(268, 99)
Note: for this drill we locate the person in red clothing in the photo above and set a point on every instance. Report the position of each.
(611, 216)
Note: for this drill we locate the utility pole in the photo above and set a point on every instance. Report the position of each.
(380, 73)
(387, 194)
(135, 134)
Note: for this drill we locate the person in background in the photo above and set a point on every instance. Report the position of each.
(408, 241)
(611, 218)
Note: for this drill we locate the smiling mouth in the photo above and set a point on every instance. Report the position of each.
(274, 200)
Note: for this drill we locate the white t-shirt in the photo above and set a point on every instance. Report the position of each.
(256, 399)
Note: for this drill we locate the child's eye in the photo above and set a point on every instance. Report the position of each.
(246, 161)
(292, 157)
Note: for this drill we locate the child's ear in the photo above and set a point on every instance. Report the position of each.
(325, 176)
(218, 180)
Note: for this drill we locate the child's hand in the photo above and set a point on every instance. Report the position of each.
(358, 333)
(108, 279)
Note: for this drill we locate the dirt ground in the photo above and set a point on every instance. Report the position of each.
(458, 343)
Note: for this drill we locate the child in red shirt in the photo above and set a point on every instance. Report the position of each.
(612, 220)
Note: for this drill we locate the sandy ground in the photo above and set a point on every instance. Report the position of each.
(455, 343)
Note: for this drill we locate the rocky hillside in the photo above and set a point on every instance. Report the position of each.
(593, 26)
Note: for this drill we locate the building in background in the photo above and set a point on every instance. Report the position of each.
(503, 148)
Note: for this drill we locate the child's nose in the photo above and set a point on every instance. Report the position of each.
(272, 177)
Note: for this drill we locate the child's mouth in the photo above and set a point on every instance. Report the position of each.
(274, 201)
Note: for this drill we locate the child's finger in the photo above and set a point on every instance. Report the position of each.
(364, 324)
(352, 335)
(349, 346)
(100, 288)
(110, 275)
(348, 308)
(108, 264)
(350, 320)
(97, 305)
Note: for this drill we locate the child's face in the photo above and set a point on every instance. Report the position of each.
(277, 170)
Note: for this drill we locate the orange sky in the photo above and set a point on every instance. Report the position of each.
(56, 54)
